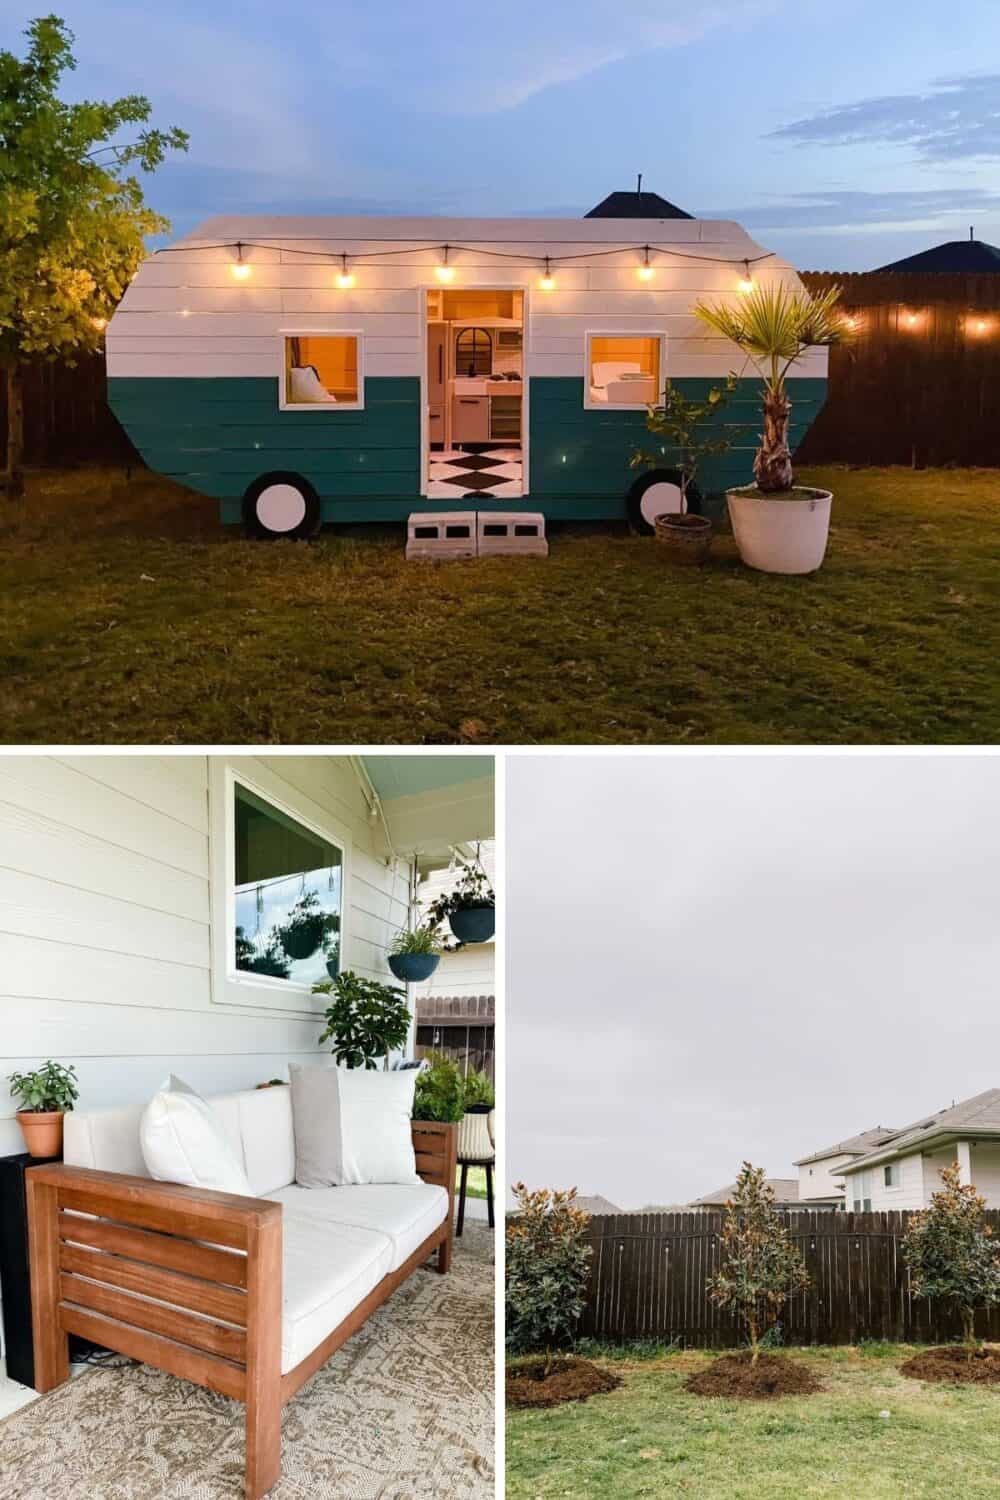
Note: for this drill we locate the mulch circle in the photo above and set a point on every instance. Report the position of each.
(569, 1379)
(734, 1375)
(953, 1364)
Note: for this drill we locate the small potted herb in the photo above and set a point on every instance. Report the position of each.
(45, 1095)
(306, 928)
(367, 1020)
(469, 907)
(413, 956)
(439, 1092)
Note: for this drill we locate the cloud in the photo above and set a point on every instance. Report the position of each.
(958, 119)
(833, 210)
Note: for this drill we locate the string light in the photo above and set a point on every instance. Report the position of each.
(646, 272)
(978, 326)
(100, 324)
(548, 281)
(911, 319)
(345, 279)
(444, 272)
(239, 267)
(746, 281)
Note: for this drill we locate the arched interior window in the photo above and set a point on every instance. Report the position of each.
(474, 352)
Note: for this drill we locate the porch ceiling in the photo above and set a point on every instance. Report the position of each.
(434, 802)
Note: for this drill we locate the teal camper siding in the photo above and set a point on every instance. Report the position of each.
(217, 434)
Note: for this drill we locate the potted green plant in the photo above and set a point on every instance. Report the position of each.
(45, 1094)
(366, 1020)
(413, 956)
(306, 928)
(685, 425)
(469, 907)
(439, 1092)
(475, 1140)
(780, 527)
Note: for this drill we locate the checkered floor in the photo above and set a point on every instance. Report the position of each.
(454, 475)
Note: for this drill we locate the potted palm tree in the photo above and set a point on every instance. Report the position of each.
(45, 1094)
(780, 527)
(413, 956)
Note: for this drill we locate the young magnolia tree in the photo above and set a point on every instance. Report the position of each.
(951, 1252)
(773, 326)
(760, 1268)
(548, 1264)
(72, 217)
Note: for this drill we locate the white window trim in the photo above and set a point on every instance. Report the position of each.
(329, 408)
(621, 333)
(232, 986)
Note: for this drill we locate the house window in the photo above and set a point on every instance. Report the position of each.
(623, 369)
(890, 1175)
(861, 1193)
(320, 371)
(287, 894)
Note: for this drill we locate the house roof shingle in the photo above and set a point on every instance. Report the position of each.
(855, 1145)
(636, 206)
(595, 1204)
(955, 256)
(977, 1116)
(786, 1190)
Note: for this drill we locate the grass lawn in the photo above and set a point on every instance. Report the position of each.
(475, 1186)
(128, 614)
(651, 1438)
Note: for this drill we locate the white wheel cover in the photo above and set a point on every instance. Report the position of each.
(661, 499)
(281, 507)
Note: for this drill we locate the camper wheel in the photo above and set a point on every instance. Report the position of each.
(281, 505)
(658, 493)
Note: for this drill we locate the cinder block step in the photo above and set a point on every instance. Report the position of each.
(441, 534)
(512, 533)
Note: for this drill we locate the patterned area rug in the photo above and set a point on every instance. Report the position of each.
(404, 1411)
(456, 475)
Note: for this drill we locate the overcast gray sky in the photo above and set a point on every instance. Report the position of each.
(718, 957)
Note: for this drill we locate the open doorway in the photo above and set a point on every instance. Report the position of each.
(475, 394)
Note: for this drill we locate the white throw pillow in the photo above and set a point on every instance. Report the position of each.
(352, 1126)
(182, 1141)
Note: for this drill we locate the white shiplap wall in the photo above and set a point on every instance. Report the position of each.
(104, 923)
(470, 971)
(185, 315)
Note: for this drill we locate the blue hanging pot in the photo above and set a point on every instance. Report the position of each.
(413, 968)
(474, 924)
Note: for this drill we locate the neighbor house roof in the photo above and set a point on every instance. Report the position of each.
(855, 1145)
(595, 1204)
(955, 256)
(978, 1116)
(786, 1190)
(636, 206)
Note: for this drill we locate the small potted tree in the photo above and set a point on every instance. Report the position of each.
(45, 1094)
(413, 956)
(779, 527)
(686, 426)
(953, 1257)
(469, 907)
(366, 1020)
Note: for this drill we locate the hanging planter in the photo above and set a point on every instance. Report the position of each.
(469, 908)
(473, 923)
(413, 956)
(306, 927)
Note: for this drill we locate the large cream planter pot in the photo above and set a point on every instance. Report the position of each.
(781, 536)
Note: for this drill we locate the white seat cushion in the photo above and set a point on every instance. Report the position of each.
(327, 1272)
(404, 1215)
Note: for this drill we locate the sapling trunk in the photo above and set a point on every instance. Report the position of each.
(969, 1330)
(13, 476)
(754, 1342)
(772, 465)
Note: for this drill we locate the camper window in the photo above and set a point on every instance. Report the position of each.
(623, 369)
(321, 371)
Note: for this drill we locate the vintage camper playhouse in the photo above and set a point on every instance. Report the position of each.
(308, 370)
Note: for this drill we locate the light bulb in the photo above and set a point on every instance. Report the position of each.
(746, 285)
(912, 319)
(444, 273)
(646, 273)
(100, 324)
(547, 283)
(240, 270)
(345, 279)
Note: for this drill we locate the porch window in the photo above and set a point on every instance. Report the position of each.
(287, 893)
(321, 371)
(623, 370)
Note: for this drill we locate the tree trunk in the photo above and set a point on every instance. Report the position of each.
(754, 1343)
(969, 1330)
(13, 477)
(772, 466)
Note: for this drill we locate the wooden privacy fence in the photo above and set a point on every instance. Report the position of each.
(920, 385)
(67, 419)
(648, 1276)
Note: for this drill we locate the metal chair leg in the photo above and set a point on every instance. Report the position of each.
(461, 1198)
(489, 1192)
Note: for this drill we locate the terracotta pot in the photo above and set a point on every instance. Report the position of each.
(781, 536)
(42, 1131)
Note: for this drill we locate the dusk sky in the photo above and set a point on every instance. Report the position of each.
(842, 136)
(712, 958)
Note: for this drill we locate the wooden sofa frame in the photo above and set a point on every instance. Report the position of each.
(216, 1258)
